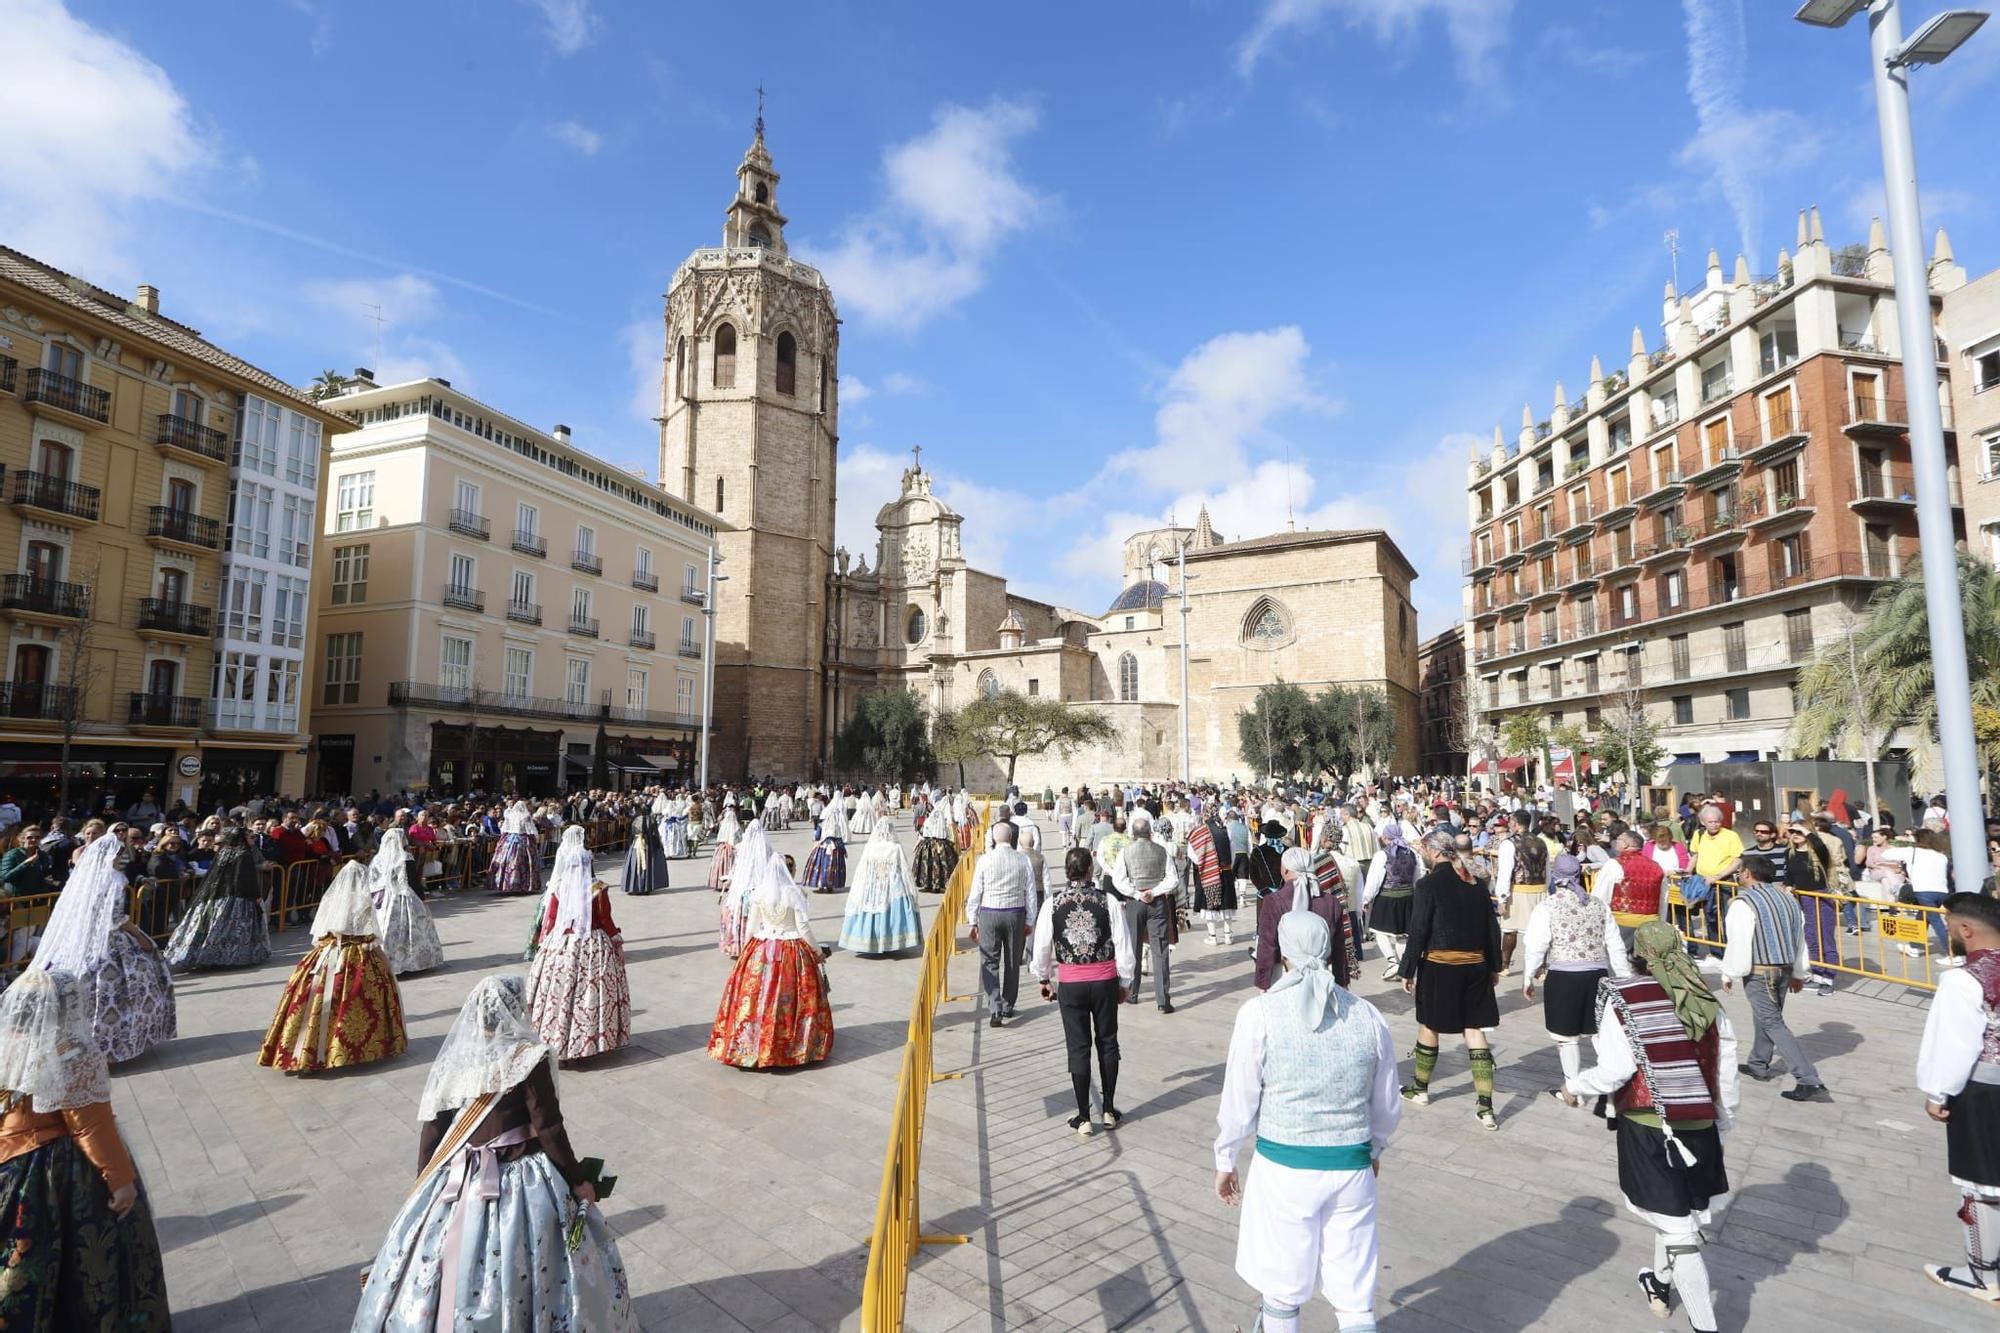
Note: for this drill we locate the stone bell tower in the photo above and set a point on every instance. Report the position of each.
(748, 430)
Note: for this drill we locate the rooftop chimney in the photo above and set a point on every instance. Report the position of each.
(149, 298)
(365, 375)
(562, 434)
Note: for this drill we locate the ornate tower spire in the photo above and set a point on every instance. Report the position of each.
(753, 218)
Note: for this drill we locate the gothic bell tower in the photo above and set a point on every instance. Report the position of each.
(749, 430)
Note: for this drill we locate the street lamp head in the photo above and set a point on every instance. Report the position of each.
(1938, 38)
(1829, 13)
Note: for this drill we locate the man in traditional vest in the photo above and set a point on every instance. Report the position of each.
(1452, 966)
(1574, 936)
(1082, 951)
(1766, 951)
(1958, 1071)
(1145, 878)
(1520, 878)
(1632, 886)
(1311, 1075)
(1388, 895)
(1001, 900)
(1666, 1057)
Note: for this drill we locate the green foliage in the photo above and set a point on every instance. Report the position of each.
(1273, 733)
(952, 742)
(1338, 731)
(1524, 735)
(1569, 736)
(888, 737)
(1629, 742)
(1010, 724)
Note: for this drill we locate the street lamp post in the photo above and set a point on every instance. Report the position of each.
(1892, 58)
(708, 660)
(1187, 770)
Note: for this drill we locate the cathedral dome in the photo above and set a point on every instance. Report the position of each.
(1145, 595)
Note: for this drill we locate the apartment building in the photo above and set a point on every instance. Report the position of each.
(497, 608)
(1972, 340)
(120, 440)
(1441, 704)
(1690, 529)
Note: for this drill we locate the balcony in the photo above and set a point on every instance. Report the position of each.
(1581, 524)
(1544, 542)
(1621, 509)
(1622, 560)
(584, 627)
(586, 562)
(1717, 530)
(177, 529)
(1667, 487)
(34, 701)
(693, 597)
(1764, 514)
(1877, 416)
(1584, 579)
(692, 651)
(72, 397)
(468, 524)
(1716, 390)
(53, 496)
(1666, 550)
(1885, 492)
(178, 437)
(531, 543)
(1727, 464)
(525, 613)
(177, 711)
(419, 694)
(462, 598)
(8, 366)
(640, 638)
(645, 580)
(1774, 439)
(183, 619)
(30, 598)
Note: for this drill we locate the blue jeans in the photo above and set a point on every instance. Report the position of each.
(1936, 920)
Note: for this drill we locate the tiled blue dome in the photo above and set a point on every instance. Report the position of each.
(1143, 596)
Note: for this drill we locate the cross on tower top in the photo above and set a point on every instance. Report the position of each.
(917, 452)
(760, 108)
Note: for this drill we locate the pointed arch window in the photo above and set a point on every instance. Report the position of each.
(725, 356)
(762, 193)
(1266, 625)
(1128, 678)
(788, 364)
(680, 367)
(989, 684)
(760, 235)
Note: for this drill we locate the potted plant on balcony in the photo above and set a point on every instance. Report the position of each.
(1750, 500)
(1684, 533)
(1787, 500)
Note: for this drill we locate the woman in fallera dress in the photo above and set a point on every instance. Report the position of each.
(882, 906)
(724, 856)
(674, 842)
(395, 884)
(501, 1230)
(81, 1253)
(752, 850)
(224, 926)
(826, 868)
(578, 997)
(937, 854)
(774, 1012)
(517, 857)
(341, 1006)
(863, 822)
(122, 974)
(645, 858)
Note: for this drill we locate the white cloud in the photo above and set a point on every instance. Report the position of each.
(396, 349)
(572, 24)
(411, 358)
(952, 198)
(1736, 146)
(1870, 202)
(644, 356)
(103, 130)
(1571, 46)
(868, 479)
(900, 384)
(1476, 28)
(575, 134)
(1220, 397)
(854, 391)
(404, 299)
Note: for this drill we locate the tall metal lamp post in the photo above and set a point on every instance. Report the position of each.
(1892, 58)
(708, 660)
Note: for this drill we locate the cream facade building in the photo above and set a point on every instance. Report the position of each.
(1971, 335)
(497, 608)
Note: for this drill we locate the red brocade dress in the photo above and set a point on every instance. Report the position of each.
(774, 1012)
(340, 1008)
(578, 998)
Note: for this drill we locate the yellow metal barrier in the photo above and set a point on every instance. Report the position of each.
(898, 1229)
(1879, 957)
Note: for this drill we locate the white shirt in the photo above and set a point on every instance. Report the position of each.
(1927, 868)
(1616, 1064)
(1042, 954)
(1739, 929)
(1004, 878)
(1608, 877)
(1540, 935)
(1954, 1034)
(1243, 1085)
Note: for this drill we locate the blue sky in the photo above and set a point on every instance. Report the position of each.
(1103, 262)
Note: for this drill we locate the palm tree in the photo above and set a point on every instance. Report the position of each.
(1876, 676)
(327, 384)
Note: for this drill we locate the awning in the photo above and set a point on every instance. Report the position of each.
(662, 761)
(635, 763)
(1510, 765)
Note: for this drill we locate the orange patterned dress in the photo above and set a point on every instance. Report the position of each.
(774, 1012)
(340, 1008)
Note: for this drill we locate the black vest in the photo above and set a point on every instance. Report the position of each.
(1081, 923)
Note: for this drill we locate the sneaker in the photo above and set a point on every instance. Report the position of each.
(1807, 1092)
(1416, 1096)
(1962, 1279)
(1112, 1117)
(1913, 951)
(1487, 1120)
(1391, 973)
(1852, 932)
(1083, 1127)
(1947, 960)
(1657, 1293)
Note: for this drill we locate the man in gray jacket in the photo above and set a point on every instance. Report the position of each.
(1145, 879)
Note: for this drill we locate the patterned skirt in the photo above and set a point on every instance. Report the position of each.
(514, 1268)
(891, 930)
(340, 1008)
(673, 840)
(577, 995)
(409, 936)
(774, 1012)
(221, 932)
(135, 999)
(645, 865)
(936, 859)
(729, 929)
(721, 864)
(73, 1265)
(826, 868)
(517, 865)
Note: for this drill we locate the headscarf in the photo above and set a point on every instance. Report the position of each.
(48, 1055)
(777, 890)
(836, 819)
(729, 829)
(1308, 987)
(570, 883)
(386, 870)
(90, 906)
(935, 824)
(347, 907)
(1299, 861)
(1566, 872)
(491, 1047)
(1392, 833)
(1659, 944)
(518, 820)
(752, 855)
(882, 844)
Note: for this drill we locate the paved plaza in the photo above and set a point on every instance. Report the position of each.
(744, 1198)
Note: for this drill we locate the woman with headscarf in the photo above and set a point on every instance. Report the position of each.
(577, 990)
(882, 906)
(645, 855)
(1572, 934)
(91, 937)
(723, 859)
(752, 850)
(1305, 890)
(937, 854)
(774, 1012)
(1452, 965)
(826, 868)
(517, 860)
(863, 822)
(1666, 1057)
(1311, 1075)
(81, 1252)
(341, 1006)
(501, 1229)
(409, 936)
(224, 926)
(1390, 894)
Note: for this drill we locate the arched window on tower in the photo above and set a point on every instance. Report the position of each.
(989, 685)
(788, 364)
(725, 356)
(718, 495)
(762, 194)
(760, 235)
(1128, 678)
(680, 366)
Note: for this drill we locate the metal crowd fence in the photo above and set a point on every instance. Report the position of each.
(897, 1232)
(1877, 954)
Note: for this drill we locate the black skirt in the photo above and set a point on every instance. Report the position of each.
(1221, 898)
(1972, 1135)
(1569, 1002)
(1655, 1182)
(1392, 915)
(1452, 997)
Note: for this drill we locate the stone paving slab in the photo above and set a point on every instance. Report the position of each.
(745, 1198)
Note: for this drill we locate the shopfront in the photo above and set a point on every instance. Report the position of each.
(121, 775)
(229, 778)
(645, 761)
(517, 761)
